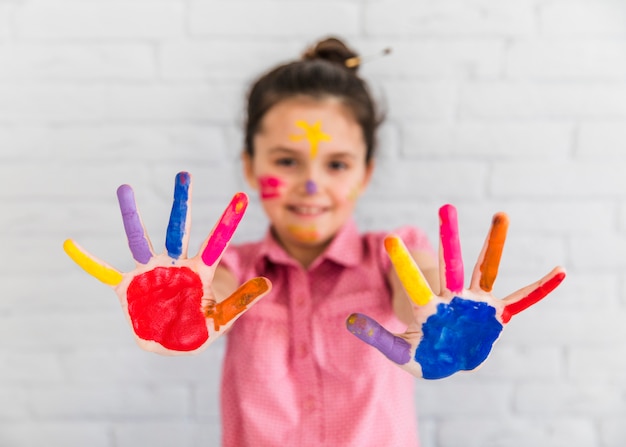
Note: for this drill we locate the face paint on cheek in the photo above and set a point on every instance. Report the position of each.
(270, 187)
(304, 233)
(312, 133)
(354, 194)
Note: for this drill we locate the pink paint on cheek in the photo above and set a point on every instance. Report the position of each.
(270, 187)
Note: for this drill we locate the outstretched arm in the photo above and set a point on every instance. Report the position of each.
(169, 299)
(455, 329)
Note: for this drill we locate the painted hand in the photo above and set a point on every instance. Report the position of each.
(168, 298)
(456, 330)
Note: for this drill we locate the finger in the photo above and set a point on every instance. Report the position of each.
(395, 348)
(238, 302)
(486, 269)
(91, 265)
(225, 228)
(409, 273)
(135, 232)
(178, 228)
(529, 295)
(450, 252)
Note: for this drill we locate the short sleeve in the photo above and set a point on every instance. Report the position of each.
(414, 239)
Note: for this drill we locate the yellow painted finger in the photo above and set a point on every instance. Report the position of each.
(96, 269)
(409, 273)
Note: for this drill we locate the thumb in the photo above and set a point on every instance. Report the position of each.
(371, 332)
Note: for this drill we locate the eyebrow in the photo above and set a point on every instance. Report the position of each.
(338, 154)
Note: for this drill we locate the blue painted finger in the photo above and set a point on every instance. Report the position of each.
(135, 232)
(178, 217)
(396, 349)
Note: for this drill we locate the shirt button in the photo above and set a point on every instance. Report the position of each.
(309, 403)
(303, 350)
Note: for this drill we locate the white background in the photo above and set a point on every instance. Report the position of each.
(513, 105)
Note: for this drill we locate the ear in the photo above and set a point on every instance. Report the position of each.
(248, 170)
(369, 170)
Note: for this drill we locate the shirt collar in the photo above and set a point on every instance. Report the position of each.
(345, 249)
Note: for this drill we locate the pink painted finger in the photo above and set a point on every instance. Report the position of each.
(135, 233)
(451, 248)
(532, 294)
(225, 228)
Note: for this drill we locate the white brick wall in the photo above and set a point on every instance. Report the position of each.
(514, 105)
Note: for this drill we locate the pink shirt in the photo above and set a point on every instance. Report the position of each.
(293, 375)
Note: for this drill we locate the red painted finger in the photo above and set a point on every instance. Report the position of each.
(532, 294)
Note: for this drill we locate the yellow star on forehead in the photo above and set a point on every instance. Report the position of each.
(312, 133)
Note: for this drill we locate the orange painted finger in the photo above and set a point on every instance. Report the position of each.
(238, 302)
(493, 251)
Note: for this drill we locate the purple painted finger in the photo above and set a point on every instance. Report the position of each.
(135, 232)
(225, 228)
(451, 248)
(395, 348)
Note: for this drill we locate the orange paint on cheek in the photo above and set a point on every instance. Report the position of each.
(305, 234)
(354, 194)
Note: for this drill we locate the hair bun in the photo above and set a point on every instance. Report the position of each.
(333, 50)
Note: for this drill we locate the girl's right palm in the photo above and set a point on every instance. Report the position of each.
(168, 298)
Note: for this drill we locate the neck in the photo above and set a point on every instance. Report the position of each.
(303, 253)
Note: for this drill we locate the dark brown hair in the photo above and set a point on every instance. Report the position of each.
(321, 73)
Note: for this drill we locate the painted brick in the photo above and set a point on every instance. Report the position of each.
(93, 20)
(518, 141)
(567, 60)
(82, 62)
(450, 18)
(583, 18)
(517, 432)
(273, 18)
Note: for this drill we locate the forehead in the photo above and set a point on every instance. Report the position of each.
(331, 115)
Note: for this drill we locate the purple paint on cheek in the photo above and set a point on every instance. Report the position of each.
(311, 187)
(137, 241)
(395, 348)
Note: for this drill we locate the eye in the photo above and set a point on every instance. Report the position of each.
(337, 165)
(285, 161)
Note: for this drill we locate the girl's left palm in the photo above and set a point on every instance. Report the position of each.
(456, 330)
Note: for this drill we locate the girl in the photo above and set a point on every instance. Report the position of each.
(293, 375)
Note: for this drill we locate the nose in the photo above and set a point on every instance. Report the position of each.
(311, 187)
(311, 178)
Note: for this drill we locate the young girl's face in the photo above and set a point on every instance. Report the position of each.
(309, 167)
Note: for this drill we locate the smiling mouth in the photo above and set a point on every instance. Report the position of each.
(306, 211)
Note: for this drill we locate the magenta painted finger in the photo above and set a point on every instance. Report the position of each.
(135, 232)
(451, 247)
(225, 229)
(395, 348)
